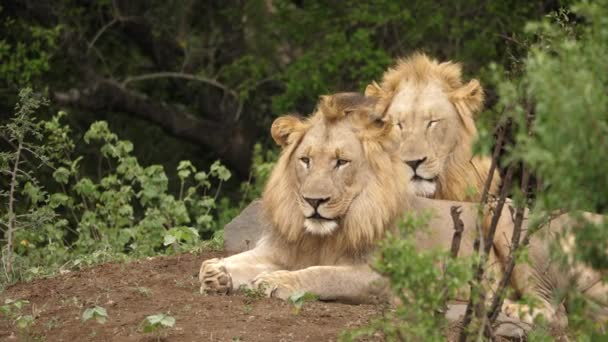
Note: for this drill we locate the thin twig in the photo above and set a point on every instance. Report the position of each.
(100, 32)
(498, 299)
(455, 212)
(501, 132)
(11, 214)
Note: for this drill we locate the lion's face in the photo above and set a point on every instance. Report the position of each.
(433, 110)
(429, 127)
(330, 168)
(339, 175)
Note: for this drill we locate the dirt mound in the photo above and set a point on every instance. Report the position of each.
(131, 291)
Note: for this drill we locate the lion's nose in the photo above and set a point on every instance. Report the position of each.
(415, 163)
(316, 202)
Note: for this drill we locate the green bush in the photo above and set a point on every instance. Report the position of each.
(562, 93)
(421, 286)
(125, 211)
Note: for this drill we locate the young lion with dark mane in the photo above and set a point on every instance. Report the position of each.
(337, 188)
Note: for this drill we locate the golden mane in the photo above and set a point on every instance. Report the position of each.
(463, 170)
(377, 206)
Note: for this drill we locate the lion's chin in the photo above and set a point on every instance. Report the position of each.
(320, 226)
(424, 188)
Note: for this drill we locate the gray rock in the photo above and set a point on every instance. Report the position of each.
(243, 231)
(504, 326)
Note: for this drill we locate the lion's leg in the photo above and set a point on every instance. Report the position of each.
(353, 284)
(535, 280)
(222, 275)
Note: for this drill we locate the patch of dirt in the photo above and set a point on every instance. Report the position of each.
(131, 291)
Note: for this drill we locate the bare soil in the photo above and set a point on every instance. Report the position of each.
(131, 291)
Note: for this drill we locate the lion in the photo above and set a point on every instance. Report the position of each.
(435, 111)
(338, 187)
(331, 196)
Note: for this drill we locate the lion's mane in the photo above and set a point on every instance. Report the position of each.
(375, 208)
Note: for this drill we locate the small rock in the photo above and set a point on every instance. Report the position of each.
(243, 231)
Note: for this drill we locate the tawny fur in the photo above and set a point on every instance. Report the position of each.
(336, 266)
(375, 209)
(462, 172)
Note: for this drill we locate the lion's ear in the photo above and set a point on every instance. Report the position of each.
(283, 127)
(470, 95)
(373, 90)
(468, 100)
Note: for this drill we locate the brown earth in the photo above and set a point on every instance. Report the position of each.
(131, 291)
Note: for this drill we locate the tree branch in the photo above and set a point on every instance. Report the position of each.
(498, 299)
(231, 142)
(100, 32)
(190, 77)
(479, 243)
(455, 212)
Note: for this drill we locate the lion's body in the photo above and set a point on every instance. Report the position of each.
(435, 112)
(338, 187)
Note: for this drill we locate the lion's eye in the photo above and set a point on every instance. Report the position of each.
(305, 160)
(432, 123)
(341, 162)
(399, 125)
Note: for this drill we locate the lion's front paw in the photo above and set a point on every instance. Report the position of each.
(214, 277)
(525, 313)
(277, 284)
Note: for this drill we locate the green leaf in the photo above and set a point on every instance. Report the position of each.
(98, 313)
(61, 175)
(20, 303)
(99, 131)
(23, 322)
(185, 169)
(299, 298)
(179, 234)
(34, 192)
(220, 171)
(58, 199)
(169, 239)
(86, 188)
(204, 219)
(74, 165)
(154, 322)
(201, 177)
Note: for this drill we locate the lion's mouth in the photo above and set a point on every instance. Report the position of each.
(417, 178)
(317, 216)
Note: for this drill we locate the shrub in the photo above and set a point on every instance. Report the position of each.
(55, 215)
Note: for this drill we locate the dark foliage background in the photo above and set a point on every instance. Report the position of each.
(202, 80)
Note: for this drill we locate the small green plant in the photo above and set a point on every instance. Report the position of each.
(52, 323)
(144, 291)
(253, 293)
(262, 163)
(299, 298)
(98, 313)
(155, 322)
(12, 305)
(25, 321)
(12, 309)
